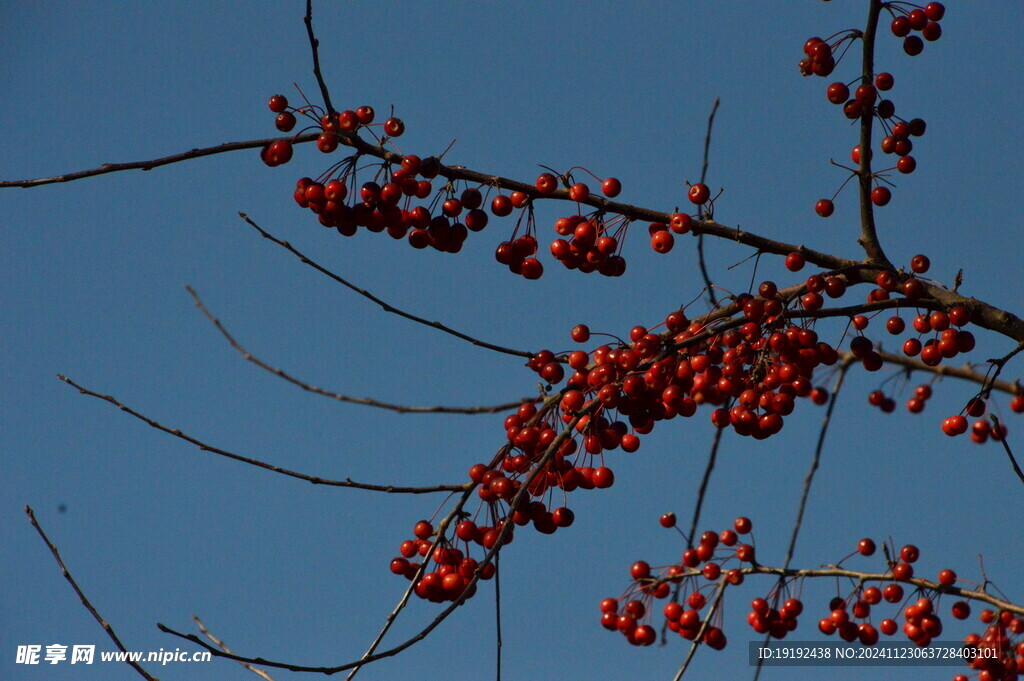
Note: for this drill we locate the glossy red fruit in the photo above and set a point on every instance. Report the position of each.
(394, 127)
(662, 241)
(579, 192)
(699, 194)
(837, 93)
(546, 183)
(880, 196)
(824, 208)
(795, 262)
(285, 121)
(278, 153)
(278, 103)
(954, 425)
(935, 11)
(866, 547)
(680, 223)
(501, 205)
(611, 187)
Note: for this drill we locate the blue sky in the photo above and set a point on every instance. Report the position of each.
(93, 287)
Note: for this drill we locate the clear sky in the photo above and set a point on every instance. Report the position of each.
(93, 277)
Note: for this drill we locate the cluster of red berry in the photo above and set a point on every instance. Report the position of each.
(924, 20)
(452, 571)
(777, 613)
(593, 243)
(630, 614)
(866, 99)
(1000, 647)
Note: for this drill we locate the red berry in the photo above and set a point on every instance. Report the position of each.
(501, 205)
(680, 223)
(825, 207)
(365, 114)
(611, 187)
(837, 93)
(546, 183)
(795, 262)
(954, 425)
(394, 127)
(866, 547)
(935, 11)
(278, 103)
(662, 241)
(277, 153)
(579, 192)
(880, 196)
(884, 81)
(699, 194)
(913, 45)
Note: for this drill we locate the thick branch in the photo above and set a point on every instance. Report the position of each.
(869, 237)
(82, 597)
(316, 480)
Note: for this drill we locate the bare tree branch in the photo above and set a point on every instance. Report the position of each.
(314, 45)
(715, 601)
(869, 236)
(1006, 448)
(833, 571)
(155, 163)
(798, 523)
(220, 644)
(316, 480)
(710, 287)
(385, 306)
(82, 597)
(399, 408)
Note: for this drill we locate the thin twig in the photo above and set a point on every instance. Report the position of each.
(966, 372)
(385, 306)
(220, 644)
(399, 408)
(154, 163)
(712, 457)
(709, 286)
(370, 655)
(832, 572)
(1006, 447)
(497, 614)
(715, 601)
(314, 45)
(506, 529)
(82, 597)
(843, 368)
(691, 536)
(999, 364)
(316, 480)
